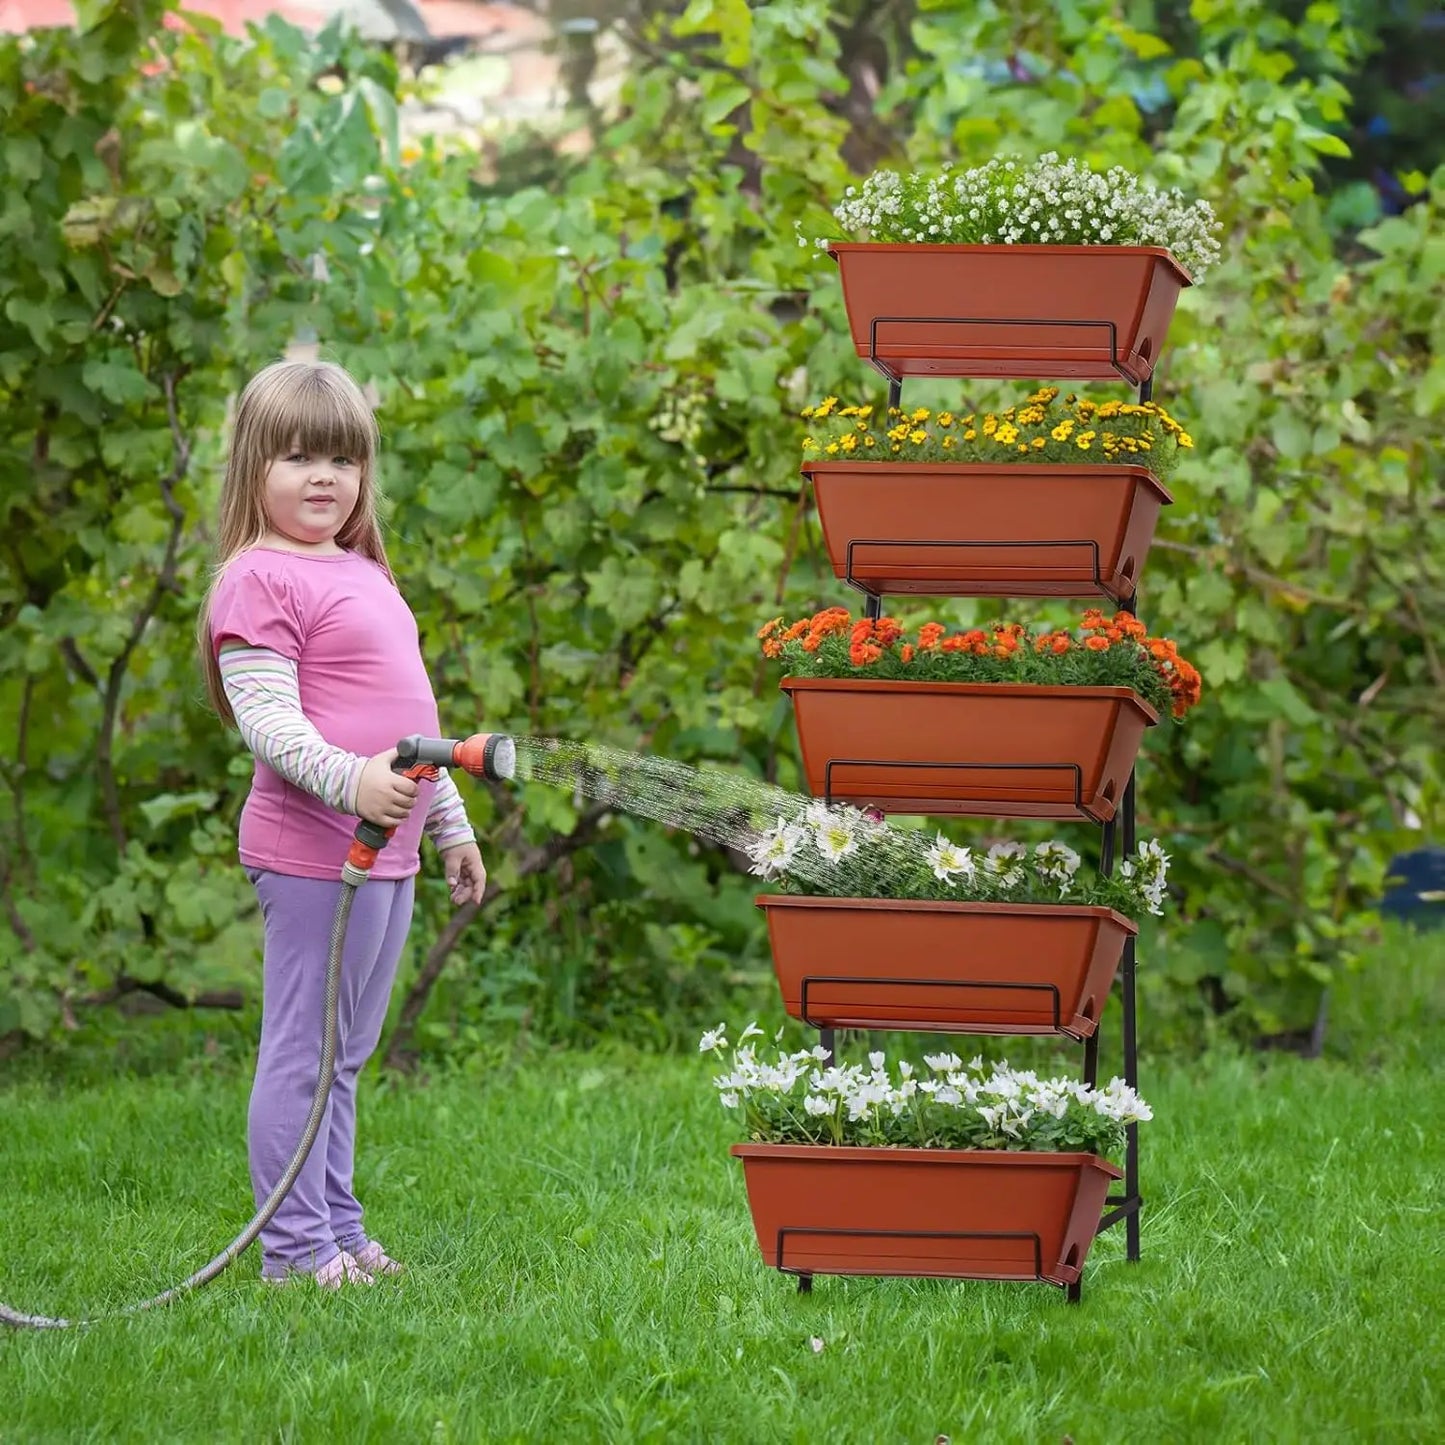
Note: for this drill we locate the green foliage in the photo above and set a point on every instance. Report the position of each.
(588, 399)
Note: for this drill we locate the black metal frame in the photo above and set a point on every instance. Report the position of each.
(895, 377)
(1095, 583)
(1125, 1207)
(805, 1276)
(1074, 768)
(900, 1026)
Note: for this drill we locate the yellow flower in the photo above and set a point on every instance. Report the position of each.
(831, 449)
(1184, 439)
(948, 442)
(897, 433)
(806, 412)
(1023, 446)
(990, 424)
(945, 418)
(848, 441)
(921, 414)
(868, 441)
(1039, 444)
(865, 411)
(918, 436)
(826, 406)
(1007, 434)
(970, 435)
(809, 444)
(1082, 445)
(1063, 431)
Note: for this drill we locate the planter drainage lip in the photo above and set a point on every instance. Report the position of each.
(946, 905)
(892, 469)
(910, 1154)
(1163, 253)
(980, 690)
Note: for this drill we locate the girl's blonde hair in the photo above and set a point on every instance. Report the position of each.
(311, 404)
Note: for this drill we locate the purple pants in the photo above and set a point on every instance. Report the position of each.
(321, 1216)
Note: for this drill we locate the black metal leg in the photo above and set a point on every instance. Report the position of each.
(805, 1284)
(895, 392)
(1091, 1058)
(828, 1039)
(1131, 1042)
(872, 607)
(1075, 1290)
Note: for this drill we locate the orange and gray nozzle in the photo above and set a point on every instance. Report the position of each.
(492, 756)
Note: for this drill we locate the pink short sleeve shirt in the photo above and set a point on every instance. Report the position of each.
(363, 686)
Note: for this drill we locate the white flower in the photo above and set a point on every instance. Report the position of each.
(877, 1059)
(816, 1106)
(836, 839)
(713, 1040)
(751, 1032)
(949, 860)
(1057, 863)
(1004, 863)
(728, 1101)
(773, 851)
(943, 1063)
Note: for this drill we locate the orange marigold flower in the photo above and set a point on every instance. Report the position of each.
(797, 630)
(1161, 649)
(772, 648)
(1114, 634)
(862, 653)
(768, 628)
(1097, 643)
(812, 642)
(862, 629)
(1130, 625)
(975, 635)
(929, 634)
(1061, 643)
(1001, 650)
(1092, 618)
(906, 652)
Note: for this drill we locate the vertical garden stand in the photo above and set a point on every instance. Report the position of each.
(1118, 830)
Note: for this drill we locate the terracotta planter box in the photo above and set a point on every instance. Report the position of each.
(993, 750)
(955, 1213)
(1020, 530)
(936, 967)
(1059, 312)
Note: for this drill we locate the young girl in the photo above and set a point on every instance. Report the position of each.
(309, 649)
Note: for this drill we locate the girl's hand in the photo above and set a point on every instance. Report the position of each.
(466, 873)
(384, 797)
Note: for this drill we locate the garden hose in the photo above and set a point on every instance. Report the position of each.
(488, 755)
(243, 1241)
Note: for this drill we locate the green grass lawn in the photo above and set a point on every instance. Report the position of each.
(583, 1268)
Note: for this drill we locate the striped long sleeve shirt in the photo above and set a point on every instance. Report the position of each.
(265, 695)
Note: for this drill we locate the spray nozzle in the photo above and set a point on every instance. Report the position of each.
(484, 755)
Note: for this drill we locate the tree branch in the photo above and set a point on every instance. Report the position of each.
(534, 860)
(1206, 557)
(228, 998)
(165, 582)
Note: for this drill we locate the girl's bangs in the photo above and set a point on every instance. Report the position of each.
(322, 418)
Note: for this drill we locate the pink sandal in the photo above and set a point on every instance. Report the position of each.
(374, 1260)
